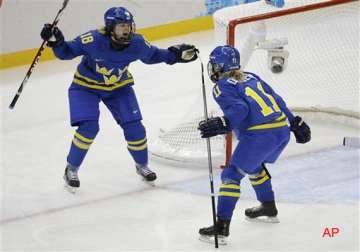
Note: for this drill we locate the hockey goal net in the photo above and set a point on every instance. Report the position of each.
(322, 74)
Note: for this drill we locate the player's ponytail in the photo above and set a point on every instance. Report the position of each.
(236, 74)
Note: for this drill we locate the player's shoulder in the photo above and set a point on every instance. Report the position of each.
(93, 33)
(99, 34)
(92, 37)
(253, 80)
(226, 86)
(250, 77)
(227, 82)
(247, 77)
(139, 40)
(138, 37)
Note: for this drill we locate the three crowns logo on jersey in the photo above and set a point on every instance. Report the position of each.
(110, 79)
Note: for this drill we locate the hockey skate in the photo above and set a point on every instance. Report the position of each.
(146, 174)
(72, 182)
(207, 234)
(266, 212)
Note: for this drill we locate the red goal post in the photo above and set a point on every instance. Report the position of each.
(233, 23)
(265, 12)
(321, 78)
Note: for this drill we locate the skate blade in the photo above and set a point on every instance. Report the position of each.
(71, 189)
(222, 240)
(150, 183)
(263, 219)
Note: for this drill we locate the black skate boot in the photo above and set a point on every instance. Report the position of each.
(145, 172)
(72, 182)
(207, 234)
(266, 212)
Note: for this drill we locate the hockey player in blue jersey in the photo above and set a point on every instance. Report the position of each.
(258, 116)
(103, 75)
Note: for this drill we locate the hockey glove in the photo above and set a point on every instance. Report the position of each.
(300, 129)
(214, 126)
(54, 36)
(184, 53)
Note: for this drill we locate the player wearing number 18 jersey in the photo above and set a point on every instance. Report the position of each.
(103, 76)
(259, 117)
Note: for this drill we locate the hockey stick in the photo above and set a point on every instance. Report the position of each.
(211, 177)
(37, 57)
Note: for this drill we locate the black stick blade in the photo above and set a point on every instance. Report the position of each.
(65, 3)
(13, 102)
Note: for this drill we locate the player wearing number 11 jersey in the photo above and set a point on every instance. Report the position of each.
(259, 118)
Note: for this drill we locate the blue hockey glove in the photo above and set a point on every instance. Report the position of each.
(184, 53)
(214, 126)
(300, 129)
(54, 36)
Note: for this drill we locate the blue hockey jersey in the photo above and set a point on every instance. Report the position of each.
(251, 104)
(104, 68)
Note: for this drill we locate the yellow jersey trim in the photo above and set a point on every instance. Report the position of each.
(260, 181)
(77, 74)
(100, 87)
(137, 148)
(82, 138)
(231, 186)
(80, 145)
(280, 118)
(268, 126)
(95, 82)
(230, 194)
(137, 142)
(258, 175)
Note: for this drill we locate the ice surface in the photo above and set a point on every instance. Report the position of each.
(114, 210)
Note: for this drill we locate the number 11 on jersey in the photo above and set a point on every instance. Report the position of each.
(266, 109)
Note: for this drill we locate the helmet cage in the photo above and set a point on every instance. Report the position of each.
(214, 71)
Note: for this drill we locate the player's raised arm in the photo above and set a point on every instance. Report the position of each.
(182, 53)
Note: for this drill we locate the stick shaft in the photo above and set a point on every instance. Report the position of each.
(208, 146)
(36, 59)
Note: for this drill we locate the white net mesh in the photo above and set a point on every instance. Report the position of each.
(323, 66)
(183, 145)
(322, 72)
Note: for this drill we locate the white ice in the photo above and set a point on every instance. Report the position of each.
(316, 185)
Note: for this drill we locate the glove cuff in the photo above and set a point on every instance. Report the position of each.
(226, 123)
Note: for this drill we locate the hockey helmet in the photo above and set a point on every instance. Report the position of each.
(223, 59)
(119, 15)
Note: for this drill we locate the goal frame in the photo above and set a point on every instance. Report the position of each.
(230, 37)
